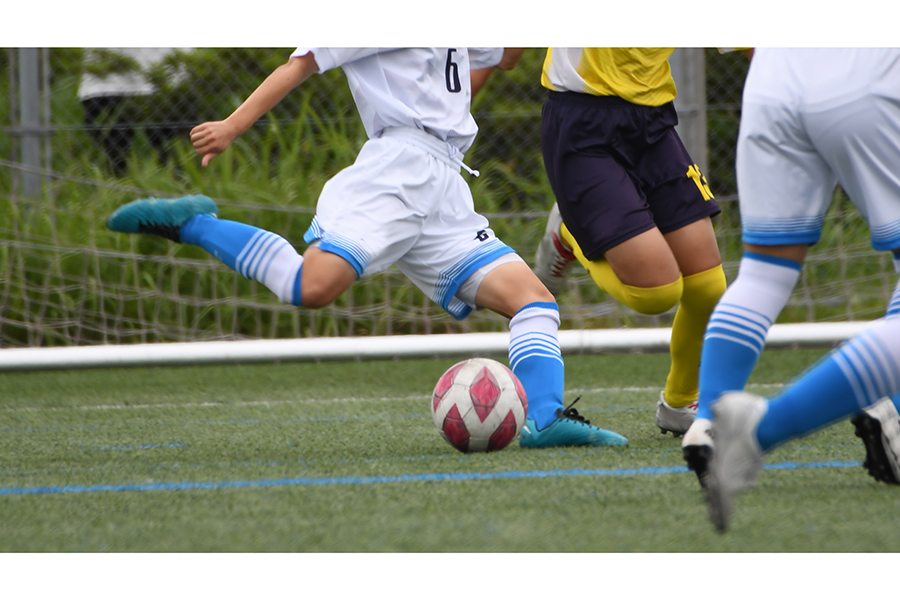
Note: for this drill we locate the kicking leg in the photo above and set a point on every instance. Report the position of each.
(255, 253)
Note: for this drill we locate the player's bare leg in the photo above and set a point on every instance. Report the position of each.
(644, 261)
(509, 287)
(325, 276)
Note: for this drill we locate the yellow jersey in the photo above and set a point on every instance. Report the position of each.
(638, 75)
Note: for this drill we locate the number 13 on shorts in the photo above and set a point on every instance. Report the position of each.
(694, 173)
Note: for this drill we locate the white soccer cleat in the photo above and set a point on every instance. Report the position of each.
(697, 448)
(674, 420)
(553, 256)
(738, 459)
(879, 428)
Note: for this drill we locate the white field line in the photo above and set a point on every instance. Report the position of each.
(627, 389)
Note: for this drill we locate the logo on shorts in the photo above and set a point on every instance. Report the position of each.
(482, 235)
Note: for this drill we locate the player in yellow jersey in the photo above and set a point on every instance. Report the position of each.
(631, 205)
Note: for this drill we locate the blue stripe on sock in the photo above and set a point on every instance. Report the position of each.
(265, 257)
(547, 347)
(296, 297)
(547, 305)
(764, 318)
(754, 341)
(270, 256)
(250, 253)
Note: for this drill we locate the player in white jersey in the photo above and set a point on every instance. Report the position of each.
(402, 202)
(811, 118)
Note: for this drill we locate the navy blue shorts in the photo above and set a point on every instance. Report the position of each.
(619, 169)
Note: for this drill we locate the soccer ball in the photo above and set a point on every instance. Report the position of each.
(479, 405)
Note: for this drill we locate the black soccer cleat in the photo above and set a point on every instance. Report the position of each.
(879, 429)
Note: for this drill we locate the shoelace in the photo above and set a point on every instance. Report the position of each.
(571, 413)
(170, 232)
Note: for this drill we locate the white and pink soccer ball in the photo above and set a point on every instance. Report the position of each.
(479, 405)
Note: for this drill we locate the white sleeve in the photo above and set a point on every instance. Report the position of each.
(484, 57)
(331, 58)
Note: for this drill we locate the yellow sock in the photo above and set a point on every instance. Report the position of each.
(701, 293)
(647, 301)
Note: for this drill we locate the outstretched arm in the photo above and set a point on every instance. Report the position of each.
(212, 138)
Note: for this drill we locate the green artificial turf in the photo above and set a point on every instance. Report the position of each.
(343, 457)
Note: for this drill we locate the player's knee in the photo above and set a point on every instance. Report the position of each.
(325, 277)
(703, 290)
(655, 300)
(540, 294)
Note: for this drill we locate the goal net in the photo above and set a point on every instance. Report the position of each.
(65, 281)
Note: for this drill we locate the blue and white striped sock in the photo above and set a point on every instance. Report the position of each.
(255, 253)
(858, 374)
(893, 310)
(736, 332)
(535, 358)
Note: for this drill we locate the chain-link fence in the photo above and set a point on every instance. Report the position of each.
(85, 130)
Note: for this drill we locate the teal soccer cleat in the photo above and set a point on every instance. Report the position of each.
(160, 216)
(569, 429)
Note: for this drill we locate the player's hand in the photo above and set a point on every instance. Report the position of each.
(210, 139)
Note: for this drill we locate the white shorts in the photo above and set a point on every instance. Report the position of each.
(404, 202)
(792, 152)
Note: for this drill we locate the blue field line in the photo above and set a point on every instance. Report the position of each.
(289, 481)
(141, 446)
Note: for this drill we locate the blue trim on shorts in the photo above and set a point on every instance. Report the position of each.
(783, 231)
(344, 247)
(314, 232)
(780, 239)
(446, 288)
(773, 260)
(886, 237)
(347, 253)
(883, 244)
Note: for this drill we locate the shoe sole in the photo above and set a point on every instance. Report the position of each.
(697, 459)
(675, 434)
(877, 462)
(718, 504)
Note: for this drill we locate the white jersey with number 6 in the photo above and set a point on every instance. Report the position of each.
(403, 201)
(396, 87)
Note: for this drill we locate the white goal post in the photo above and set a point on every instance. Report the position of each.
(589, 341)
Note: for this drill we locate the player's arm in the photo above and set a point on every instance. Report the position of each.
(480, 76)
(511, 56)
(212, 138)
